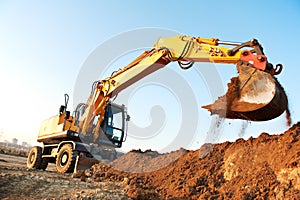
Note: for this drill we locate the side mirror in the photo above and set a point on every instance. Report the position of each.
(67, 115)
(62, 109)
(128, 118)
(66, 100)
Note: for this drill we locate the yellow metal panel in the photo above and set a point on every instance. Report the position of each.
(50, 126)
(200, 49)
(134, 72)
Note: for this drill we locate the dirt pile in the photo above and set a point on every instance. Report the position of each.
(267, 167)
(148, 161)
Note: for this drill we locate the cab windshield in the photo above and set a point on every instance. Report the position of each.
(114, 126)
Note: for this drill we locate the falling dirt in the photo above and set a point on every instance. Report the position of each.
(287, 111)
(244, 126)
(267, 167)
(288, 117)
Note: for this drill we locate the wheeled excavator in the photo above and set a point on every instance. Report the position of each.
(96, 128)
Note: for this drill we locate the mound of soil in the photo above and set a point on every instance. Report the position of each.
(267, 167)
(148, 161)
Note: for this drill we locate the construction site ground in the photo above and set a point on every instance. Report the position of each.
(267, 167)
(16, 182)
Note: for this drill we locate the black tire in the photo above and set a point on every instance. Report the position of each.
(44, 164)
(34, 158)
(66, 159)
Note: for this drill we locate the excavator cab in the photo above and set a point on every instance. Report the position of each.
(114, 124)
(112, 134)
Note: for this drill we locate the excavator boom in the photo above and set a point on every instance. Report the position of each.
(254, 95)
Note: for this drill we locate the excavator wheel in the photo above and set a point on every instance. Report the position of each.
(44, 163)
(34, 158)
(66, 159)
(254, 95)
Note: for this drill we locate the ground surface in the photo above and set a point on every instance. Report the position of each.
(16, 182)
(267, 167)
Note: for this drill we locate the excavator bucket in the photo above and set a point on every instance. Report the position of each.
(254, 95)
(83, 163)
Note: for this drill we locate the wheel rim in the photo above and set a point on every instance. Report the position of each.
(64, 159)
(32, 158)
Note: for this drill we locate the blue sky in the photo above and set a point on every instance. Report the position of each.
(43, 45)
